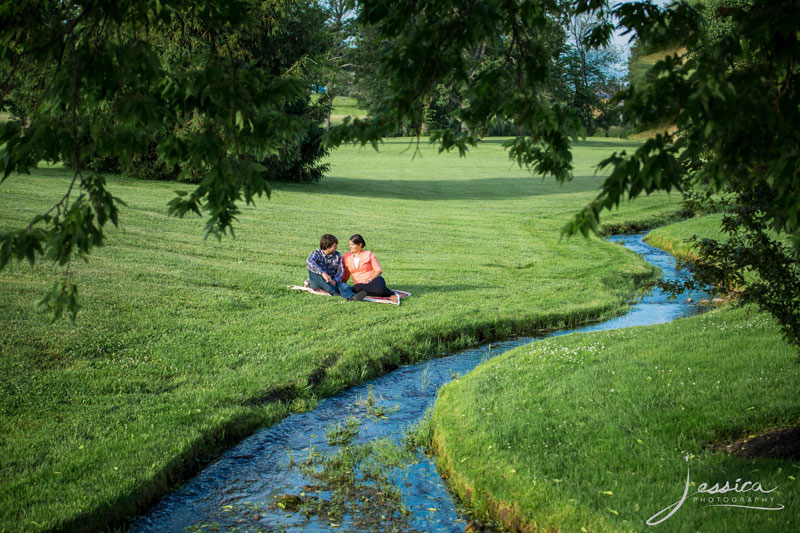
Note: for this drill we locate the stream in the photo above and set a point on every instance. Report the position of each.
(238, 490)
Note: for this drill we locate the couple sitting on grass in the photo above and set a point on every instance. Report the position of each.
(329, 270)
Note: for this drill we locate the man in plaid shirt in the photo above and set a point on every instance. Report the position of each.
(326, 270)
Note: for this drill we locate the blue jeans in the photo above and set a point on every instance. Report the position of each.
(316, 281)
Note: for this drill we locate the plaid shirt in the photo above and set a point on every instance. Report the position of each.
(332, 264)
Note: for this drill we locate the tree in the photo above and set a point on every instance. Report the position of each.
(758, 262)
(587, 75)
(296, 40)
(733, 94)
(427, 44)
(368, 88)
(104, 79)
(335, 69)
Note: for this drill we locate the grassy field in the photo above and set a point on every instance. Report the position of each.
(590, 432)
(344, 106)
(184, 346)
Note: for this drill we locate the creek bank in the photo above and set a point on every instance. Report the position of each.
(782, 443)
(602, 439)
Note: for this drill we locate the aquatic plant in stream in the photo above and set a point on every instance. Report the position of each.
(425, 380)
(339, 434)
(420, 435)
(354, 481)
(374, 408)
(488, 354)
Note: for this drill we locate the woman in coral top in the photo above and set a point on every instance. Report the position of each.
(366, 271)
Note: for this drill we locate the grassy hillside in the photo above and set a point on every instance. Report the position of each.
(675, 238)
(184, 345)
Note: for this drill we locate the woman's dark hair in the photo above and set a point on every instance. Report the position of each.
(327, 241)
(358, 239)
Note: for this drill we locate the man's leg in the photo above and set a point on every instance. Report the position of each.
(344, 290)
(316, 281)
(349, 294)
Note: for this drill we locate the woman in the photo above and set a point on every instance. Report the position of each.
(366, 271)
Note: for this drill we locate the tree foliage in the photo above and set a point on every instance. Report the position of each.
(759, 261)
(733, 94)
(216, 113)
(429, 43)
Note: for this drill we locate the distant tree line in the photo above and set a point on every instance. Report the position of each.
(583, 77)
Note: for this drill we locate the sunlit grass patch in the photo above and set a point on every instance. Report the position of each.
(345, 106)
(676, 238)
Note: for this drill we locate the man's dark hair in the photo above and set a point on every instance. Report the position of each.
(327, 241)
(358, 239)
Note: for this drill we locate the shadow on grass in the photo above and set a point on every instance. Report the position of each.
(499, 188)
(445, 189)
(610, 142)
(417, 290)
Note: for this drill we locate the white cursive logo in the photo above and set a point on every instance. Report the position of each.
(747, 486)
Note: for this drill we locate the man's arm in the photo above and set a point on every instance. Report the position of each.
(339, 269)
(312, 263)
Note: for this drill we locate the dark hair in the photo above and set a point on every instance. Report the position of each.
(358, 239)
(327, 241)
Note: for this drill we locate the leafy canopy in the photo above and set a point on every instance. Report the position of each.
(733, 98)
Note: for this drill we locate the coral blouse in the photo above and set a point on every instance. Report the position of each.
(367, 263)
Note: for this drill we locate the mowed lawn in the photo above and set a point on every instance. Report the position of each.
(186, 345)
(345, 106)
(591, 432)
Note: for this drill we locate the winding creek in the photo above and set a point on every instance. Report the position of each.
(239, 489)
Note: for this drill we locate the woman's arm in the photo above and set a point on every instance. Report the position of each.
(376, 267)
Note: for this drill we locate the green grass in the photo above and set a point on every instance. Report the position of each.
(591, 430)
(184, 346)
(344, 106)
(675, 237)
